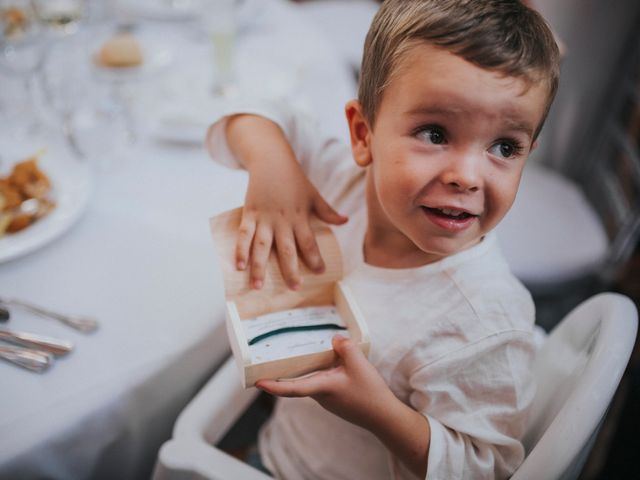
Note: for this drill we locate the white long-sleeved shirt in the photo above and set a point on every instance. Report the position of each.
(452, 339)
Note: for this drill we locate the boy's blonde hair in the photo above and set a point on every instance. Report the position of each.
(499, 35)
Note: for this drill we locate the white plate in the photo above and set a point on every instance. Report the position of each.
(71, 189)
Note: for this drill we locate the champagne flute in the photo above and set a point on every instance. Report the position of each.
(219, 19)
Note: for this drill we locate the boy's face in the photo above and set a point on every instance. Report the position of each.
(446, 152)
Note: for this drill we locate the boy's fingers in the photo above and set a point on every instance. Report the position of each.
(302, 387)
(260, 254)
(287, 257)
(347, 350)
(243, 244)
(326, 212)
(306, 241)
(282, 389)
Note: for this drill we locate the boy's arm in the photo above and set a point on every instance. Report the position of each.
(356, 392)
(279, 201)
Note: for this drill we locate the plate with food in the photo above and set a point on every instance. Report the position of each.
(121, 54)
(41, 196)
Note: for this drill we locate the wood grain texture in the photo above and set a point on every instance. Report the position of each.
(317, 289)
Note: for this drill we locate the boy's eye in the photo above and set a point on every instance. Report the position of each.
(432, 135)
(506, 149)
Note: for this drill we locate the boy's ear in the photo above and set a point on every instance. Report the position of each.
(360, 133)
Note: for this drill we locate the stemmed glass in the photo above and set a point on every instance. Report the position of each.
(65, 84)
(219, 22)
(22, 52)
(92, 121)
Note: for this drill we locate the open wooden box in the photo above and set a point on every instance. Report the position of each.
(244, 303)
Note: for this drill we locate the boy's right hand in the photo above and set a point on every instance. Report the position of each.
(279, 203)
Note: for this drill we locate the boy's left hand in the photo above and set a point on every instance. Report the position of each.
(353, 390)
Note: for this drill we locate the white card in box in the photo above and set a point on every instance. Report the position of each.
(276, 332)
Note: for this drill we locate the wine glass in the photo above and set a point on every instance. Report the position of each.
(22, 52)
(92, 121)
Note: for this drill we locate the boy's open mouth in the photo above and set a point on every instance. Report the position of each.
(450, 213)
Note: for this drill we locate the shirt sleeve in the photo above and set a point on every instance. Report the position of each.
(326, 161)
(476, 400)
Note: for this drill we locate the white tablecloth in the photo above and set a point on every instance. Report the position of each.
(141, 261)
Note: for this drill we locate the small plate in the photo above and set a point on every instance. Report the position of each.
(71, 189)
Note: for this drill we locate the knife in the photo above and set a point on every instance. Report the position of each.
(39, 342)
(34, 360)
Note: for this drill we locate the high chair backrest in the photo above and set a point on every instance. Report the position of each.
(577, 371)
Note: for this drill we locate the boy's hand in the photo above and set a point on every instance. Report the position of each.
(353, 390)
(279, 203)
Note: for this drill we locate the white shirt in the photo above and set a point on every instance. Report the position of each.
(452, 339)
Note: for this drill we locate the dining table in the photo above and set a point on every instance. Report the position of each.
(130, 245)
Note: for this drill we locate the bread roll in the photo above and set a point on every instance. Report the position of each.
(121, 50)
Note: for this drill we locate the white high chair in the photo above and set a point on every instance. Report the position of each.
(191, 453)
(577, 371)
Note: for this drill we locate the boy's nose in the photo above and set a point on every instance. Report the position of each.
(463, 173)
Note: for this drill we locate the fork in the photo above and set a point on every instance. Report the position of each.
(83, 324)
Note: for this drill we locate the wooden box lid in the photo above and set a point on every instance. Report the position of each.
(274, 295)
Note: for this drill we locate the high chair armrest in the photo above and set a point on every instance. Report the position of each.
(187, 459)
(216, 407)
(192, 454)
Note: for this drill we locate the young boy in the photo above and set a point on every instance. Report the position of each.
(451, 100)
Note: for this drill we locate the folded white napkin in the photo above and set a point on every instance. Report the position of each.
(159, 9)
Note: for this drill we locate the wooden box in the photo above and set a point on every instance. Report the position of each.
(244, 303)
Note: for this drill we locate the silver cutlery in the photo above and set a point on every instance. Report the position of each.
(83, 324)
(39, 342)
(34, 360)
